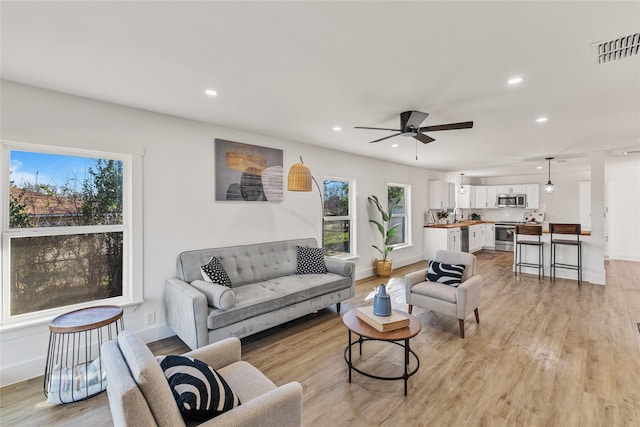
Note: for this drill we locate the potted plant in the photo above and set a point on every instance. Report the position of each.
(383, 266)
(442, 217)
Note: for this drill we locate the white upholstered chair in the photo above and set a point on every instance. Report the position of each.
(455, 301)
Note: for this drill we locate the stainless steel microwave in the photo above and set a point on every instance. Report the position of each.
(512, 200)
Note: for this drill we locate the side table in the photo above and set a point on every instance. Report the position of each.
(72, 371)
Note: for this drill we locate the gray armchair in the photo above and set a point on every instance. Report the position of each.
(455, 301)
(139, 394)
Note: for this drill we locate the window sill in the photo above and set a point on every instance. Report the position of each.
(395, 248)
(45, 319)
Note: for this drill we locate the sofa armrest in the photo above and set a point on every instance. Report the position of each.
(281, 407)
(343, 268)
(219, 354)
(468, 296)
(412, 279)
(186, 312)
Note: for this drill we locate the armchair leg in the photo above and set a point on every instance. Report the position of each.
(477, 315)
(410, 308)
(461, 321)
(338, 308)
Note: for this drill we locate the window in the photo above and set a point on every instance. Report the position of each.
(338, 230)
(401, 213)
(66, 231)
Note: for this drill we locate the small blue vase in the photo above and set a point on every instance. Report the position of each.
(382, 302)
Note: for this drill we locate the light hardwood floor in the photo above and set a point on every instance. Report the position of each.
(544, 354)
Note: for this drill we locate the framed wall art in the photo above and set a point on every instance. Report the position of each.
(248, 173)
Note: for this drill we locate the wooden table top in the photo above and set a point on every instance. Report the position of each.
(86, 319)
(361, 328)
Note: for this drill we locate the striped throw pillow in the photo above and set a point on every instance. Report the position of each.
(200, 392)
(448, 274)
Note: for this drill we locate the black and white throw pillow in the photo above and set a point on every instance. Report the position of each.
(213, 271)
(200, 392)
(448, 274)
(310, 261)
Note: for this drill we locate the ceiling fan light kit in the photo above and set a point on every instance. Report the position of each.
(410, 126)
(548, 188)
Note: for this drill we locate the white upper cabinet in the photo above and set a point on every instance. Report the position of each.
(441, 195)
(481, 197)
(533, 196)
(492, 196)
(466, 199)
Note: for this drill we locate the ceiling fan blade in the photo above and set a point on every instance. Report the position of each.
(364, 127)
(450, 126)
(412, 119)
(425, 139)
(386, 137)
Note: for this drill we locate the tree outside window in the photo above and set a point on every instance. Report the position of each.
(338, 231)
(66, 231)
(400, 212)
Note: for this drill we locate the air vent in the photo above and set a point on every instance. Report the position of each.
(614, 50)
(632, 153)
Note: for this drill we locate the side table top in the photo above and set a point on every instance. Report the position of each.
(86, 319)
(361, 328)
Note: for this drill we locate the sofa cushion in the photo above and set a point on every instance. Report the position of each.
(213, 271)
(217, 295)
(200, 392)
(436, 290)
(310, 260)
(263, 297)
(147, 373)
(448, 274)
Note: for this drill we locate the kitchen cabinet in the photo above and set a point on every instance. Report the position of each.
(476, 238)
(441, 195)
(489, 236)
(510, 189)
(533, 196)
(466, 199)
(481, 200)
(492, 196)
(440, 238)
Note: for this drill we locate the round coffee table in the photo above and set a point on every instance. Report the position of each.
(399, 337)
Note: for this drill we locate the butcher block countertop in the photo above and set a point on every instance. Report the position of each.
(467, 223)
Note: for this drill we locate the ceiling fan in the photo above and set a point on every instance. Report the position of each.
(409, 126)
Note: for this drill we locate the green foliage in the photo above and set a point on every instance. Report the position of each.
(387, 232)
(102, 194)
(18, 216)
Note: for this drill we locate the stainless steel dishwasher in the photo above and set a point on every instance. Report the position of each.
(464, 239)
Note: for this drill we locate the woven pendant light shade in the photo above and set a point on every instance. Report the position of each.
(299, 178)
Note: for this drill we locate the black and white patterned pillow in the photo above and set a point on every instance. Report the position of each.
(213, 271)
(448, 274)
(310, 261)
(200, 392)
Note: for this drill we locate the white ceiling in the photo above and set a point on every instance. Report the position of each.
(293, 70)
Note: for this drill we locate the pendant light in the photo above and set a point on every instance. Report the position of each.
(462, 190)
(549, 187)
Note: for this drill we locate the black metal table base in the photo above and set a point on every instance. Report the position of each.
(407, 350)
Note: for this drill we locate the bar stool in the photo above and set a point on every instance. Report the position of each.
(529, 230)
(566, 229)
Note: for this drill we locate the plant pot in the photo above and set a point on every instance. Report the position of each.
(383, 268)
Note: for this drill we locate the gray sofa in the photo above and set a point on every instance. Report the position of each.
(140, 395)
(268, 292)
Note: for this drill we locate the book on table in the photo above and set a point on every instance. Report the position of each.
(382, 324)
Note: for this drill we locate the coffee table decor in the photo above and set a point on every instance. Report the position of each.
(382, 323)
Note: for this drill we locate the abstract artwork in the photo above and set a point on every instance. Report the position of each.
(245, 172)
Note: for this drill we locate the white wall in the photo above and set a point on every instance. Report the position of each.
(178, 200)
(622, 176)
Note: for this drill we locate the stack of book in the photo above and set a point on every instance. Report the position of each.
(382, 324)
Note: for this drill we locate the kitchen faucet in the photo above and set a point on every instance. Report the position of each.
(455, 215)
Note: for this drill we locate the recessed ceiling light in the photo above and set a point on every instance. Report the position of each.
(394, 145)
(211, 92)
(337, 128)
(515, 81)
(542, 119)
(538, 167)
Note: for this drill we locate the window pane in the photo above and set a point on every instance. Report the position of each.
(397, 192)
(336, 198)
(337, 237)
(401, 232)
(56, 271)
(53, 190)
